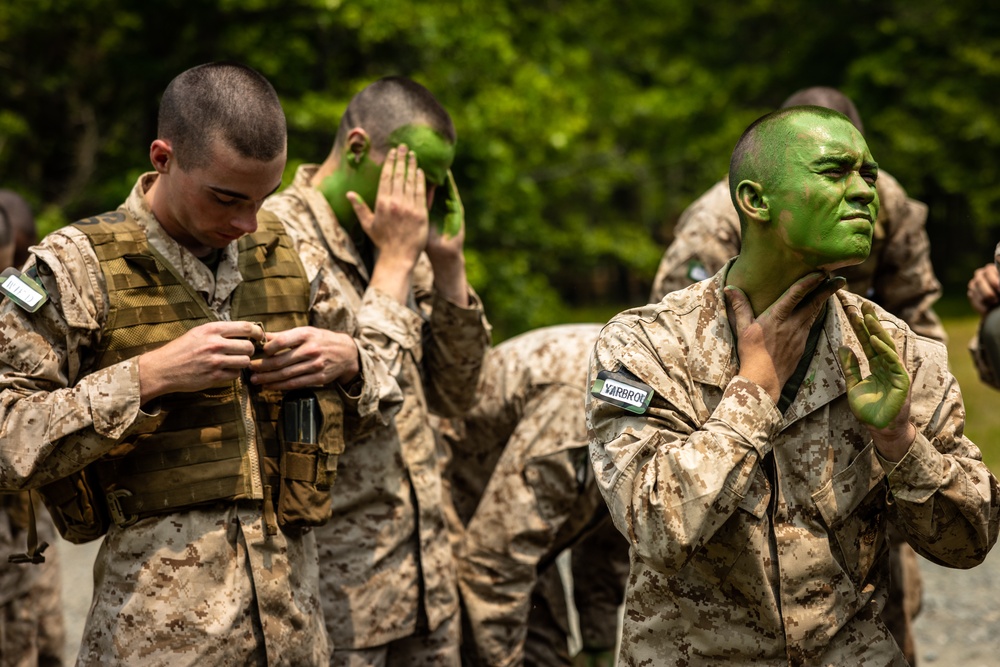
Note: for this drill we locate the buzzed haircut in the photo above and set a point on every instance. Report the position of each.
(753, 157)
(824, 96)
(21, 224)
(226, 101)
(389, 104)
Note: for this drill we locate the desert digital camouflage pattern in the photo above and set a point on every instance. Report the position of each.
(537, 499)
(387, 568)
(32, 632)
(200, 586)
(987, 373)
(897, 274)
(759, 537)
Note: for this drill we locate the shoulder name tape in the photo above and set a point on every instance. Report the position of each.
(22, 290)
(623, 390)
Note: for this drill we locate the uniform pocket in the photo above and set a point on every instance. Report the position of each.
(853, 506)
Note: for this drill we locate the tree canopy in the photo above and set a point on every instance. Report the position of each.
(584, 128)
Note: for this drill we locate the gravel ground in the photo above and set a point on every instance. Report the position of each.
(959, 624)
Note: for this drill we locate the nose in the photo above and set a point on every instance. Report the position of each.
(245, 220)
(860, 190)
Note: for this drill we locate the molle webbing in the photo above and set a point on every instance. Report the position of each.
(198, 449)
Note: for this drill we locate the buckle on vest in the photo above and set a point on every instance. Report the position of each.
(115, 508)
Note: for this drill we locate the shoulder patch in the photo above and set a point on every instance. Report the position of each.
(22, 290)
(622, 389)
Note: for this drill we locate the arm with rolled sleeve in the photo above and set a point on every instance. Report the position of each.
(671, 482)
(55, 418)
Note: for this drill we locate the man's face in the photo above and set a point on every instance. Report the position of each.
(823, 201)
(209, 207)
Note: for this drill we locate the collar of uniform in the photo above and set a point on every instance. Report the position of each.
(214, 287)
(824, 380)
(334, 236)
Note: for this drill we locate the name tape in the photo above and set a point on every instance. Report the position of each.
(623, 391)
(22, 290)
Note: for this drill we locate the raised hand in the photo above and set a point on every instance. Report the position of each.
(881, 401)
(771, 344)
(445, 249)
(399, 225)
(984, 288)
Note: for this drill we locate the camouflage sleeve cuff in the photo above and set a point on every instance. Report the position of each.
(113, 393)
(917, 476)
(382, 313)
(748, 410)
(454, 320)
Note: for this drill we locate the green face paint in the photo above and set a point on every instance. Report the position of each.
(360, 173)
(823, 202)
(434, 153)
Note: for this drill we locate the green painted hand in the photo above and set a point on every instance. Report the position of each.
(880, 400)
(452, 222)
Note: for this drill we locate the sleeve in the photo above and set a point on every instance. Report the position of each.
(533, 491)
(55, 415)
(374, 397)
(905, 283)
(945, 497)
(671, 477)
(706, 236)
(454, 350)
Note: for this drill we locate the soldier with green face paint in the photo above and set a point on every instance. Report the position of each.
(386, 568)
(897, 275)
(788, 424)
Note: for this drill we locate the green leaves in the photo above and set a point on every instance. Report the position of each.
(584, 128)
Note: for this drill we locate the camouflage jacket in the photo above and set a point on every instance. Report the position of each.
(897, 274)
(760, 537)
(386, 550)
(540, 495)
(169, 587)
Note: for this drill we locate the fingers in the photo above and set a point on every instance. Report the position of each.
(861, 331)
(387, 182)
(365, 214)
(875, 328)
(738, 308)
(793, 296)
(849, 365)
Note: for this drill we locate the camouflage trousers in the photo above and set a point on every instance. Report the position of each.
(31, 615)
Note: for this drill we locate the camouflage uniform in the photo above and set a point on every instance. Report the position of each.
(760, 537)
(198, 586)
(31, 611)
(986, 370)
(387, 570)
(897, 275)
(539, 498)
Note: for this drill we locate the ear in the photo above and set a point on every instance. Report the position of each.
(161, 154)
(752, 202)
(358, 146)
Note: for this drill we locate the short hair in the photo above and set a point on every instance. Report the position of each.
(221, 100)
(824, 96)
(753, 156)
(389, 104)
(21, 224)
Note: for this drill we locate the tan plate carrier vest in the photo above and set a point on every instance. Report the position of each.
(198, 449)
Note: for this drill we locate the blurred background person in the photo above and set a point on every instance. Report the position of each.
(31, 615)
(984, 296)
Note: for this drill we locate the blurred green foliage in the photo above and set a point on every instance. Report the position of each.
(584, 128)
